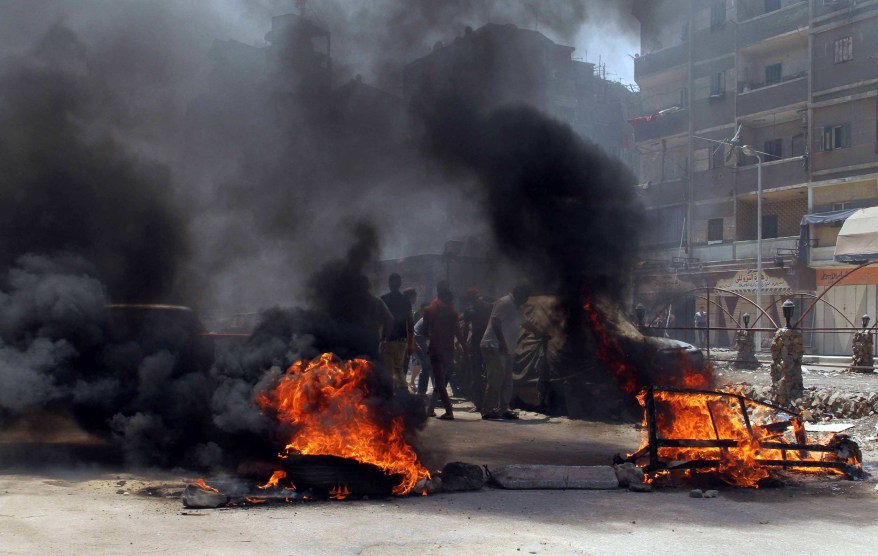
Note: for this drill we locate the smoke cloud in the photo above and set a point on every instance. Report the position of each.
(556, 203)
(165, 152)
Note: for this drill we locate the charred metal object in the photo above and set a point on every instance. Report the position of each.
(721, 424)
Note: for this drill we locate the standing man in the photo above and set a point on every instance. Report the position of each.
(412, 296)
(475, 322)
(441, 328)
(498, 349)
(422, 351)
(398, 342)
(701, 325)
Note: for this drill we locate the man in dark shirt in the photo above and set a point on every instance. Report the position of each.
(398, 343)
(441, 328)
(475, 321)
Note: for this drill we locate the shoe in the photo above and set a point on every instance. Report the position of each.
(431, 413)
(509, 415)
(490, 416)
(447, 416)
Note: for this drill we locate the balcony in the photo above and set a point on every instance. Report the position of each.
(792, 90)
(786, 20)
(747, 249)
(714, 253)
(663, 193)
(661, 60)
(778, 173)
(665, 126)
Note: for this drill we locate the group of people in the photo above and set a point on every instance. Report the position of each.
(480, 364)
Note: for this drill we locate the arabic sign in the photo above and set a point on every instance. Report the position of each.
(867, 275)
(745, 281)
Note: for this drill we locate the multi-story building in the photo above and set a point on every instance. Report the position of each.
(800, 77)
(504, 64)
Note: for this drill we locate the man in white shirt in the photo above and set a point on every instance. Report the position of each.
(498, 348)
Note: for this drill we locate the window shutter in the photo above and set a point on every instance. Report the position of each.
(846, 134)
(824, 132)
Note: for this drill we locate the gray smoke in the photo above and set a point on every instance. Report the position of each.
(149, 157)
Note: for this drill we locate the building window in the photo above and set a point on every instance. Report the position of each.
(773, 74)
(714, 230)
(772, 5)
(842, 206)
(769, 226)
(773, 148)
(844, 50)
(718, 84)
(798, 145)
(718, 13)
(835, 137)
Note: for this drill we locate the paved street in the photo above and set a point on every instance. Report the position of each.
(95, 510)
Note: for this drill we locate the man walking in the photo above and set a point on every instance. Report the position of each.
(441, 328)
(498, 349)
(475, 322)
(398, 343)
(701, 325)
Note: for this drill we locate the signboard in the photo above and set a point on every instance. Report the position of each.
(745, 281)
(863, 276)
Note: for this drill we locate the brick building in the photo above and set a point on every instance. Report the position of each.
(799, 77)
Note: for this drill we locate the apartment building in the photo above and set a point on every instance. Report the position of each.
(501, 64)
(800, 77)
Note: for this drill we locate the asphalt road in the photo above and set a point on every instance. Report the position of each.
(88, 509)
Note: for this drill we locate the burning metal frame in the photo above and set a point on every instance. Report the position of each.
(664, 453)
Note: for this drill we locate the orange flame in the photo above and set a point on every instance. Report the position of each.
(275, 479)
(715, 416)
(325, 400)
(339, 493)
(611, 355)
(204, 486)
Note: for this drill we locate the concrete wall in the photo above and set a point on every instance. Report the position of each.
(829, 74)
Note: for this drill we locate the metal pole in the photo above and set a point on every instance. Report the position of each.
(758, 336)
(707, 330)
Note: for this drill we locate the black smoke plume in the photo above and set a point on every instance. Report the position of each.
(131, 172)
(70, 187)
(559, 206)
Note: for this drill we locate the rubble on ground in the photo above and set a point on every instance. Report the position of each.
(818, 402)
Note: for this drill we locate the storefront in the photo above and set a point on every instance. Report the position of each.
(854, 294)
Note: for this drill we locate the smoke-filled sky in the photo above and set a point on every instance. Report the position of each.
(142, 161)
(123, 145)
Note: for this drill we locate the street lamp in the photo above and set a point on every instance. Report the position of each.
(750, 151)
(866, 320)
(746, 317)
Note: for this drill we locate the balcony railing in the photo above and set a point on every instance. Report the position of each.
(778, 173)
(661, 60)
(778, 22)
(667, 125)
(756, 98)
(748, 249)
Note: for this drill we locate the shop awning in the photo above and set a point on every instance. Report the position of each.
(833, 217)
(858, 238)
